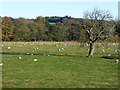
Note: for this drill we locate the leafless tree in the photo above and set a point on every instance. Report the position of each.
(98, 25)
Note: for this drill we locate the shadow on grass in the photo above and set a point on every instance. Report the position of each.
(6, 53)
(69, 55)
(106, 57)
(110, 57)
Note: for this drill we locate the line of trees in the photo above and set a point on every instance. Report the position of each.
(40, 29)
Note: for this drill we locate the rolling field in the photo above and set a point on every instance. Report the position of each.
(58, 65)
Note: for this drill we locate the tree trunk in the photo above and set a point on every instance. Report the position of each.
(91, 49)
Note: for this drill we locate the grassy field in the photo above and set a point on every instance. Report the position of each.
(58, 65)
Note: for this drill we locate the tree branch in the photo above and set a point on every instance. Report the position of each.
(89, 34)
(98, 36)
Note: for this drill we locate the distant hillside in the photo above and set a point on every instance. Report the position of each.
(55, 19)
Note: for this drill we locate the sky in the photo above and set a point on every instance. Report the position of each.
(73, 8)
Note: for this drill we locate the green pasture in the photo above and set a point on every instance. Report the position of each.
(58, 65)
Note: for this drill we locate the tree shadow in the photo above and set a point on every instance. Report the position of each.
(7, 53)
(106, 57)
(109, 57)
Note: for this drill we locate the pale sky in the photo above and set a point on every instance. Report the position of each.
(72, 8)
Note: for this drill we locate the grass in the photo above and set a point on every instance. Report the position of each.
(52, 23)
(68, 68)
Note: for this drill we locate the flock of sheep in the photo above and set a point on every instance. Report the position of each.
(116, 61)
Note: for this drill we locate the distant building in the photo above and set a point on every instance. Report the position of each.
(119, 10)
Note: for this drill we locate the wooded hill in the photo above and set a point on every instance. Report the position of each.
(48, 29)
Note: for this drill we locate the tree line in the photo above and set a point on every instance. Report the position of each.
(50, 29)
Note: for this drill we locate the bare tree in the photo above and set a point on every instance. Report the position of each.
(98, 25)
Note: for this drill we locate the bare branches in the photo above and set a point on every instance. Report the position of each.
(98, 24)
(97, 14)
(89, 34)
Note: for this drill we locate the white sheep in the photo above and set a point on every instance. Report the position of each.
(58, 49)
(35, 60)
(9, 47)
(20, 57)
(1, 64)
(116, 61)
(103, 50)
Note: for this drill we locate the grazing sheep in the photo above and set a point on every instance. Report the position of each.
(103, 50)
(116, 61)
(35, 60)
(113, 44)
(56, 45)
(109, 54)
(34, 48)
(9, 47)
(62, 48)
(87, 44)
(1, 64)
(58, 49)
(20, 57)
(115, 50)
(27, 53)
